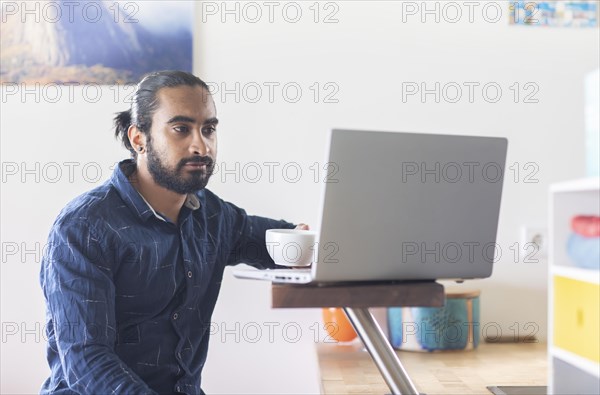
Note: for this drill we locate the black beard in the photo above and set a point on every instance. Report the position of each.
(173, 180)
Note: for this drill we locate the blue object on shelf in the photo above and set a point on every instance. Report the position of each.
(584, 251)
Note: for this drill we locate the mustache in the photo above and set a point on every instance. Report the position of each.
(201, 160)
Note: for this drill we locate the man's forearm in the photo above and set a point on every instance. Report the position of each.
(252, 248)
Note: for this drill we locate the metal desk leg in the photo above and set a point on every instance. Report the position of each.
(381, 351)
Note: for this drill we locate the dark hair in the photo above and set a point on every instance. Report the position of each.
(144, 102)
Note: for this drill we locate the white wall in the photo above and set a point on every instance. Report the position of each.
(368, 55)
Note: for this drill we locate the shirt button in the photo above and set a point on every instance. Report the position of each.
(175, 316)
(190, 274)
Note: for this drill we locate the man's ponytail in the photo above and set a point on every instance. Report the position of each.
(122, 122)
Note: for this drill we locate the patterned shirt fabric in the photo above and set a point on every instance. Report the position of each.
(130, 294)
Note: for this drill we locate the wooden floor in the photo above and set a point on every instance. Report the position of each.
(348, 369)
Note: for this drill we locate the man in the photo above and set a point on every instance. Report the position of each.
(134, 266)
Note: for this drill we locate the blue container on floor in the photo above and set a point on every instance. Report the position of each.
(452, 327)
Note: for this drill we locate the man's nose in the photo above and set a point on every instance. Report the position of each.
(199, 145)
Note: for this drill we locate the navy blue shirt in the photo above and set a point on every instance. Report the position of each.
(130, 294)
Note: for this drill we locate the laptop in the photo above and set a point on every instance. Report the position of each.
(404, 206)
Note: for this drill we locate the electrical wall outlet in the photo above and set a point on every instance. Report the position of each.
(534, 243)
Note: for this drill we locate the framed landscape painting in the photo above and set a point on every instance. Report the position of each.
(103, 42)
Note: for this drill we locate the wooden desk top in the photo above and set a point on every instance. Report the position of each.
(348, 369)
(406, 293)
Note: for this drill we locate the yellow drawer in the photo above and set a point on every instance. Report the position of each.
(577, 317)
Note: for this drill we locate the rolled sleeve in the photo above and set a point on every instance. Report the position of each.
(248, 237)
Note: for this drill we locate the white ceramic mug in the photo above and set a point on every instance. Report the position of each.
(291, 247)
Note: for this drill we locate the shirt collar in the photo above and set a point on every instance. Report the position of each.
(133, 199)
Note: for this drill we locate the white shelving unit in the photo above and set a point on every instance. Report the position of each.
(573, 296)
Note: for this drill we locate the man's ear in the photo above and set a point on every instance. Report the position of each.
(137, 139)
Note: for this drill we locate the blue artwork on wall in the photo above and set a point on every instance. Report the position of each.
(554, 13)
(104, 42)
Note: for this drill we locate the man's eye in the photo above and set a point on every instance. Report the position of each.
(210, 130)
(181, 129)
